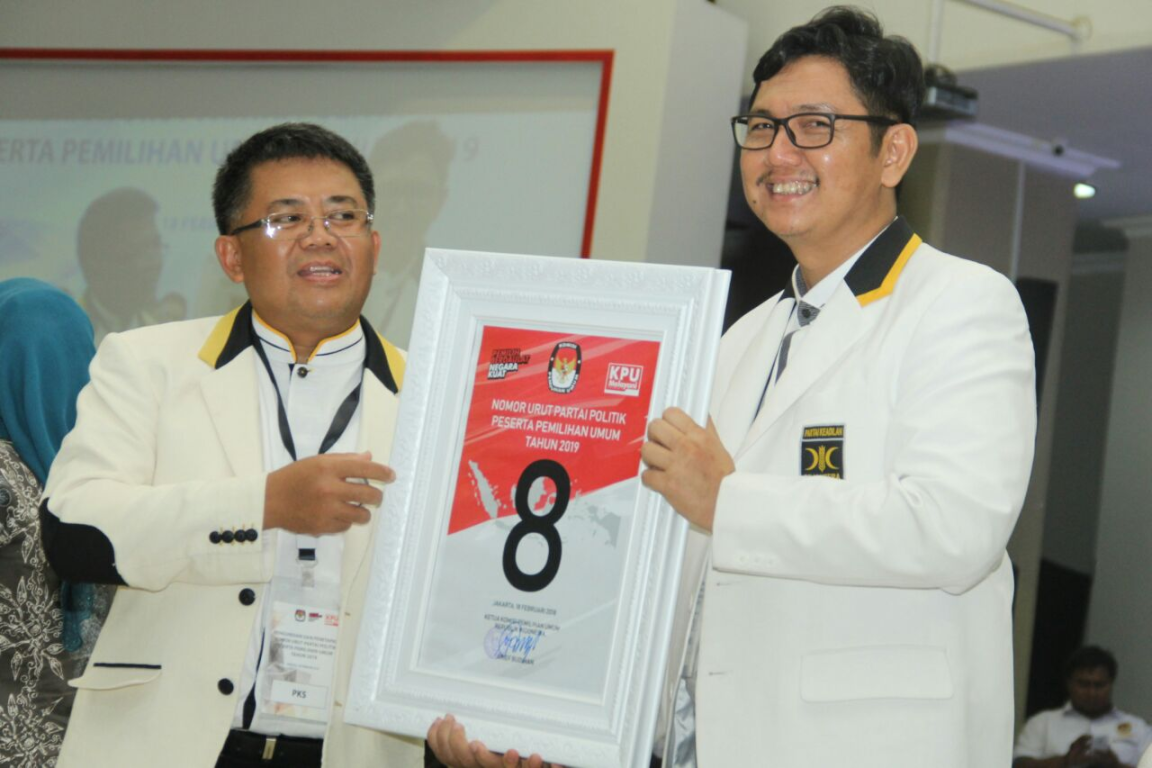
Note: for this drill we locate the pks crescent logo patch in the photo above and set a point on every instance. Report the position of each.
(822, 451)
(564, 367)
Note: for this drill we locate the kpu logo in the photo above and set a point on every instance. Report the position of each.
(564, 367)
(624, 379)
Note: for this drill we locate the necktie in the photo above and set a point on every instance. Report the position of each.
(681, 753)
(806, 314)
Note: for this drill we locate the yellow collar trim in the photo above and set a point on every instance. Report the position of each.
(893, 275)
(212, 348)
(319, 344)
(397, 362)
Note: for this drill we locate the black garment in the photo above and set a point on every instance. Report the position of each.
(244, 749)
(430, 760)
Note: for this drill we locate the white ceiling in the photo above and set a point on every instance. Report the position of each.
(1097, 104)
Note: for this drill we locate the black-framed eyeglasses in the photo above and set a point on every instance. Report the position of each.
(289, 225)
(806, 130)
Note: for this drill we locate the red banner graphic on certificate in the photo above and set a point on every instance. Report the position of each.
(529, 572)
(579, 401)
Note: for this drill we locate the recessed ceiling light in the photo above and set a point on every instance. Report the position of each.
(1084, 191)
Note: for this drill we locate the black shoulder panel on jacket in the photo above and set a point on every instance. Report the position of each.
(240, 337)
(78, 552)
(375, 359)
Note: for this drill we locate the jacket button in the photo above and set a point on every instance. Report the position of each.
(214, 537)
(302, 372)
(225, 686)
(247, 596)
(228, 537)
(241, 536)
(252, 534)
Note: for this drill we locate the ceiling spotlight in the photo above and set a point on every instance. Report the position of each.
(1084, 191)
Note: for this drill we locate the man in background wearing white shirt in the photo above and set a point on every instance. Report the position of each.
(1088, 731)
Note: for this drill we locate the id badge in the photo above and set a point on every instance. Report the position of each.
(300, 661)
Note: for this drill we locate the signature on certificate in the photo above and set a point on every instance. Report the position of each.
(512, 642)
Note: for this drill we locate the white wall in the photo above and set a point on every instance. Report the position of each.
(972, 37)
(1071, 520)
(1120, 613)
(704, 61)
(642, 33)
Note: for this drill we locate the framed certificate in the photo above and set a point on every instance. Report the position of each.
(523, 578)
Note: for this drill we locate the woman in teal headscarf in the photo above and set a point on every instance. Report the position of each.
(45, 348)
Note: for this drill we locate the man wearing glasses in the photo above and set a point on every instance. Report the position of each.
(225, 473)
(847, 597)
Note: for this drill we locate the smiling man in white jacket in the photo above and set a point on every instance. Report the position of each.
(846, 598)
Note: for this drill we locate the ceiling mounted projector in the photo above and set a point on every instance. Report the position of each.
(945, 99)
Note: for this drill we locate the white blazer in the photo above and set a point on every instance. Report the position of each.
(167, 450)
(863, 617)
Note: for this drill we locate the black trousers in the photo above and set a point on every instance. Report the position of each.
(250, 760)
(244, 749)
(430, 760)
(237, 761)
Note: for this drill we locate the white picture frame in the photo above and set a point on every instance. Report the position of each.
(401, 680)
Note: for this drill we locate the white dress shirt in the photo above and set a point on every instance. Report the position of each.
(819, 294)
(1050, 733)
(312, 392)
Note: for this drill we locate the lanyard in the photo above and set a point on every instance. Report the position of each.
(339, 423)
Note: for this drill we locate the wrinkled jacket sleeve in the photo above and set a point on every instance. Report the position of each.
(105, 516)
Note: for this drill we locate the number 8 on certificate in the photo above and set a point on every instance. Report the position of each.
(527, 584)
